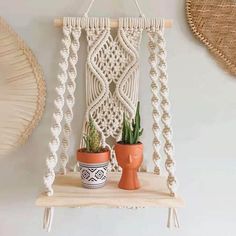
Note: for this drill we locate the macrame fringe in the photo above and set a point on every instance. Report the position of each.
(105, 22)
(172, 218)
(23, 90)
(48, 218)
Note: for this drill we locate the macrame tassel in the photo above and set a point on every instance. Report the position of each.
(48, 218)
(71, 86)
(172, 218)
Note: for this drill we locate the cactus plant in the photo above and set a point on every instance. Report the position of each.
(131, 131)
(92, 139)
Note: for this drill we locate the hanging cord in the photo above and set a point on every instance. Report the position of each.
(89, 7)
(48, 218)
(71, 86)
(58, 114)
(139, 8)
(165, 109)
(153, 61)
(172, 218)
(135, 1)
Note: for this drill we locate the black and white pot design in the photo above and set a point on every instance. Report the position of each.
(93, 175)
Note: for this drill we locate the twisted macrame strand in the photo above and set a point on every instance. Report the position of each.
(71, 86)
(153, 61)
(56, 128)
(165, 108)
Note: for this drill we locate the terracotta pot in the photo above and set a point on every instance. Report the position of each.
(93, 168)
(129, 158)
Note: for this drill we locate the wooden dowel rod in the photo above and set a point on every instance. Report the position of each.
(58, 22)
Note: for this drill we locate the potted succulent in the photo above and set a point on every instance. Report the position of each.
(93, 159)
(129, 152)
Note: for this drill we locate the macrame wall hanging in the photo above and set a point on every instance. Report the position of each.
(112, 82)
(113, 62)
(22, 90)
(213, 22)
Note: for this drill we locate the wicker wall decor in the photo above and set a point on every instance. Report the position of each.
(214, 23)
(22, 90)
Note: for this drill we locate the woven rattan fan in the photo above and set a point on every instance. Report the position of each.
(22, 90)
(214, 23)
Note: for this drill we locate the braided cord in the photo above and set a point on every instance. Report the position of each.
(165, 108)
(153, 61)
(70, 99)
(56, 128)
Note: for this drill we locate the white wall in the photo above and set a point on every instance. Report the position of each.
(204, 110)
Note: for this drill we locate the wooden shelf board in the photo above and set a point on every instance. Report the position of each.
(68, 192)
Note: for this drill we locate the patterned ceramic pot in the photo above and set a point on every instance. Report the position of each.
(93, 168)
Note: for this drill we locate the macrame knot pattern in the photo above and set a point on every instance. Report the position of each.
(71, 86)
(112, 72)
(111, 75)
(160, 107)
(66, 85)
(153, 61)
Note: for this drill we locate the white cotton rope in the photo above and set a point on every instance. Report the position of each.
(169, 218)
(172, 218)
(92, 2)
(165, 109)
(160, 107)
(176, 220)
(59, 102)
(112, 62)
(71, 86)
(48, 218)
(153, 61)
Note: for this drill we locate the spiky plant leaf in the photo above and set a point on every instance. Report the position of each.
(123, 128)
(131, 131)
(126, 132)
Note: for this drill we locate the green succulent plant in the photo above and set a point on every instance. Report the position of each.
(92, 139)
(131, 131)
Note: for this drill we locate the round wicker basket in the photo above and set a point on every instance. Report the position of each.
(214, 23)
